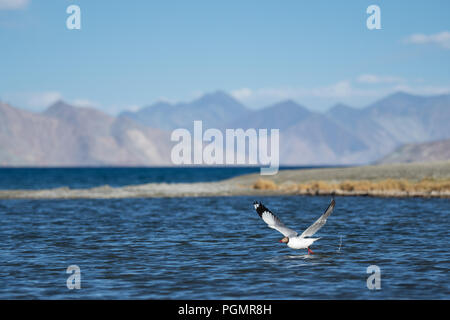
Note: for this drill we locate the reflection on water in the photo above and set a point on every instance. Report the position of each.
(204, 248)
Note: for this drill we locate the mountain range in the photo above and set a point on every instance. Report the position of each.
(65, 135)
(420, 152)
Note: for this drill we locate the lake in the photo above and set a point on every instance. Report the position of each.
(219, 248)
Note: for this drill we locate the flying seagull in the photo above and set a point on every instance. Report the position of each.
(291, 237)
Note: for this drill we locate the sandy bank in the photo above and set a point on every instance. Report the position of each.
(393, 180)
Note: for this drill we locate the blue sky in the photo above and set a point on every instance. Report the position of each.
(129, 54)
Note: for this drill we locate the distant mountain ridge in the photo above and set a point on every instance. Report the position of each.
(420, 152)
(68, 135)
(342, 135)
(395, 120)
(305, 137)
(64, 135)
(214, 109)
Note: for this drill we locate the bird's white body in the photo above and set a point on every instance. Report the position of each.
(291, 237)
(300, 243)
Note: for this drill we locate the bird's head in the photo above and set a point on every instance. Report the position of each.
(256, 204)
(284, 240)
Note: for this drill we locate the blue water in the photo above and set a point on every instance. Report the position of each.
(217, 248)
(79, 178)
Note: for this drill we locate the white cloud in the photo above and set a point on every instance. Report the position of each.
(116, 109)
(316, 98)
(42, 99)
(165, 99)
(14, 4)
(132, 108)
(242, 93)
(341, 89)
(345, 91)
(38, 101)
(441, 39)
(423, 89)
(85, 103)
(376, 79)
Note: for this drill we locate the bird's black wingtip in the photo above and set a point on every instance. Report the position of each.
(259, 207)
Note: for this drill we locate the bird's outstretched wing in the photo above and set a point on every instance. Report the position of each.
(273, 221)
(320, 222)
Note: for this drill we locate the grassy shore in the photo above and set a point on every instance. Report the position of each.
(387, 187)
(398, 180)
(393, 180)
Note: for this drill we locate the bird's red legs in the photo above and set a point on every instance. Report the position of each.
(310, 251)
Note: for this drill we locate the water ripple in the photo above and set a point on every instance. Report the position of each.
(203, 248)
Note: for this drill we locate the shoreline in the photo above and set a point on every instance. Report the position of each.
(428, 180)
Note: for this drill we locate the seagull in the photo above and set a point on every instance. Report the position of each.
(291, 237)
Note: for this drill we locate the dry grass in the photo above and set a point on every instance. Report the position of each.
(264, 184)
(434, 185)
(426, 185)
(360, 186)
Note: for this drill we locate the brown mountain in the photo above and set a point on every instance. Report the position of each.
(420, 152)
(306, 137)
(214, 109)
(395, 120)
(64, 135)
